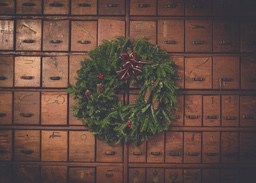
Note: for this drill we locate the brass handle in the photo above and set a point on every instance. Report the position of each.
(249, 116)
(156, 153)
(212, 117)
(170, 42)
(57, 41)
(225, 42)
(84, 42)
(230, 118)
(211, 154)
(55, 78)
(28, 152)
(193, 116)
(111, 5)
(110, 153)
(84, 5)
(198, 78)
(2, 114)
(109, 173)
(199, 42)
(28, 41)
(28, 4)
(56, 5)
(3, 78)
(193, 153)
(143, 5)
(26, 115)
(137, 153)
(226, 79)
(27, 77)
(174, 153)
(4, 4)
(196, 26)
(171, 5)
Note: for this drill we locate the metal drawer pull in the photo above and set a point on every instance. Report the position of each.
(56, 5)
(225, 42)
(231, 154)
(28, 152)
(171, 5)
(2, 114)
(4, 4)
(211, 154)
(193, 153)
(170, 42)
(29, 41)
(27, 77)
(199, 42)
(212, 117)
(196, 26)
(156, 153)
(174, 153)
(198, 78)
(143, 5)
(230, 117)
(29, 4)
(55, 78)
(84, 42)
(109, 173)
(226, 79)
(56, 41)
(137, 153)
(249, 116)
(110, 153)
(54, 135)
(3, 78)
(26, 115)
(84, 5)
(111, 5)
(193, 116)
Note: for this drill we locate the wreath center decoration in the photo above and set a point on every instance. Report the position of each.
(114, 66)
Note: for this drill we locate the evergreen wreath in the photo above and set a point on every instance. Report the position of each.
(112, 67)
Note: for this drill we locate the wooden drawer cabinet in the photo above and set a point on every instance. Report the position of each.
(173, 175)
(211, 147)
(6, 34)
(193, 110)
(56, 7)
(6, 174)
(29, 7)
(230, 110)
(111, 7)
(248, 36)
(229, 175)
(155, 149)
(26, 108)
(72, 119)
(146, 29)
(5, 108)
(211, 110)
(155, 175)
(137, 153)
(198, 7)
(5, 145)
(171, 7)
(27, 145)
(229, 147)
(247, 147)
(26, 173)
(192, 147)
(174, 147)
(192, 175)
(28, 34)
(6, 71)
(210, 175)
(7, 7)
(54, 174)
(180, 66)
(247, 111)
(82, 174)
(74, 66)
(109, 174)
(248, 75)
(179, 113)
(137, 175)
(27, 71)
(225, 7)
(84, 7)
(143, 7)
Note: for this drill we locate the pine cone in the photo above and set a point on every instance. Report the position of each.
(88, 93)
(100, 88)
(155, 103)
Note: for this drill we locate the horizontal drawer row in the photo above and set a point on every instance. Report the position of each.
(168, 147)
(194, 35)
(137, 7)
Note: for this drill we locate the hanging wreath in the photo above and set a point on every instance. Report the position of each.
(114, 66)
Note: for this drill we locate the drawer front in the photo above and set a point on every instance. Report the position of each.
(53, 174)
(193, 110)
(155, 175)
(174, 147)
(54, 106)
(179, 62)
(171, 7)
(146, 29)
(229, 176)
(198, 7)
(211, 147)
(54, 146)
(7, 7)
(84, 7)
(137, 175)
(5, 145)
(6, 71)
(247, 110)
(173, 176)
(81, 174)
(5, 108)
(211, 108)
(137, 153)
(198, 73)
(111, 7)
(230, 110)
(109, 153)
(155, 149)
(179, 114)
(225, 36)
(248, 75)
(226, 72)
(192, 147)
(27, 71)
(143, 7)
(81, 146)
(28, 34)
(192, 175)
(248, 36)
(27, 145)
(6, 174)
(56, 6)
(55, 72)
(26, 173)
(106, 24)
(109, 174)
(83, 35)
(29, 7)
(229, 147)
(72, 119)
(26, 107)
(171, 35)
(6, 34)
(225, 7)
(247, 147)
(56, 35)
(198, 36)
(210, 175)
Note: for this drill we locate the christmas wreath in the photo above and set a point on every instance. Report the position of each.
(114, 66)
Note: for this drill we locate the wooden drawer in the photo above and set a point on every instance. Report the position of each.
(229, 147)
(225, 36)
(29, 7)
(26, 108)
(27, 145)
(229, 176)
(192, 175)
(180, 66)
(155, 149)
(198, 36)
(5, 145)
(6, 174)
(111, 7)
(198, 72)
(210, 175)
(26, 173)
(83, 35)
(6, 71)
(198, 8)
(7, 7)
(137, 30)
(6, 34)
(107, 24)
(84, 7)
(155, 175)
(137, 175)
(248, 75)
(193, 110)
(56, 7)
(247, 147)
(53, 174)
(171, 35)
(137, 153)
(81, 146)
(171, 7)
(211, 108)
(143, 7)
(192, 147)
(174, 147)
(56, 35)
(109, 174)
(179, 114)
(226, 72)
(54, 146)
(54, 108)
(211, 147)
(247, 111)
(225, 7)
(27, 71)
(28, 34)
(82, 174)
(230, 110)
(55, 72)
(108, 153)
(5, 108)
(173, 175)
